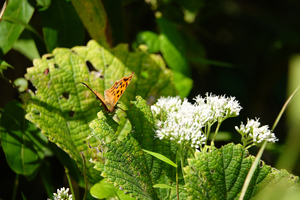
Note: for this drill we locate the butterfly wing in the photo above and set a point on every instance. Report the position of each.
(99, 96)
(113, 94)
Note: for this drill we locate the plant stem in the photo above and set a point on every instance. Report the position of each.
(252, 170)
(70, 182)
(216, 131)
(15, 187)
(177, 185)
(182, 160)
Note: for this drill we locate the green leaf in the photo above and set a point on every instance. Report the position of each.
(172, 47)
(26, 46)
(63, 108)
(43, 4)
(164, 186)
(161, 157)
(61, 25)
(104, 190)
(21, 141)
(123, 161)
(21, 83)
(133, 175)
(150, 39)
(10, 32)
(220, 174)
(93, 16)
(182, 83)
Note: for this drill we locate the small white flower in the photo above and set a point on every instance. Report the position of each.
(253, 131)
(62, 194)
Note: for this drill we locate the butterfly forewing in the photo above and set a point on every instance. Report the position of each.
(113, 94)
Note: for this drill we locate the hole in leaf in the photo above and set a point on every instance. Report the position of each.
(31, 87)
(56, 66)
(90, 66)
(66, 95)
(46, 71)
(107, 65)
(71, 113)
(212, 171)
(36, 112)
(261, 164)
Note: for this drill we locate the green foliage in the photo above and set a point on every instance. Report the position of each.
(218, 174)
(59, 20)
(172, 47)
(62, 107)
(22, 142)
(19, 11)
(63, 110)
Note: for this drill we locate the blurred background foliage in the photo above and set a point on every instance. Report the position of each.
(248, 49)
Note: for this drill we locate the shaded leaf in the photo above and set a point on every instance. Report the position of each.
(220, 174)
(61, 25)
(93, 16)
(26, 46)
(21, 141)
(172, 47)
(10, 32)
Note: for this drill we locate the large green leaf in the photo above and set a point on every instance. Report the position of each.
(22, 142)
(61, 25)
(63, 108)
(221, 173)
(124, 162)
(135, 172)
(10, 32)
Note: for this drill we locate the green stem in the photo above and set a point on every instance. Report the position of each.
(70, 182)
(207, 133)
(252, 170)
(177, 185)
(84, 175)
(15, 187)
(182, 161)
(216, 131)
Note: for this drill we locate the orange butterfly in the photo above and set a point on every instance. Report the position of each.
(113, 94)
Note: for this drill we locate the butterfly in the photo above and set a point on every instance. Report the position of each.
(113, 94)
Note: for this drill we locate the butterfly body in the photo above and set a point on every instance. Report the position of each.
(113, 94)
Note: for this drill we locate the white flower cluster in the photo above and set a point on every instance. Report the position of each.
(62, 194)
(220, 107)
(183, 122)
(257, 134)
